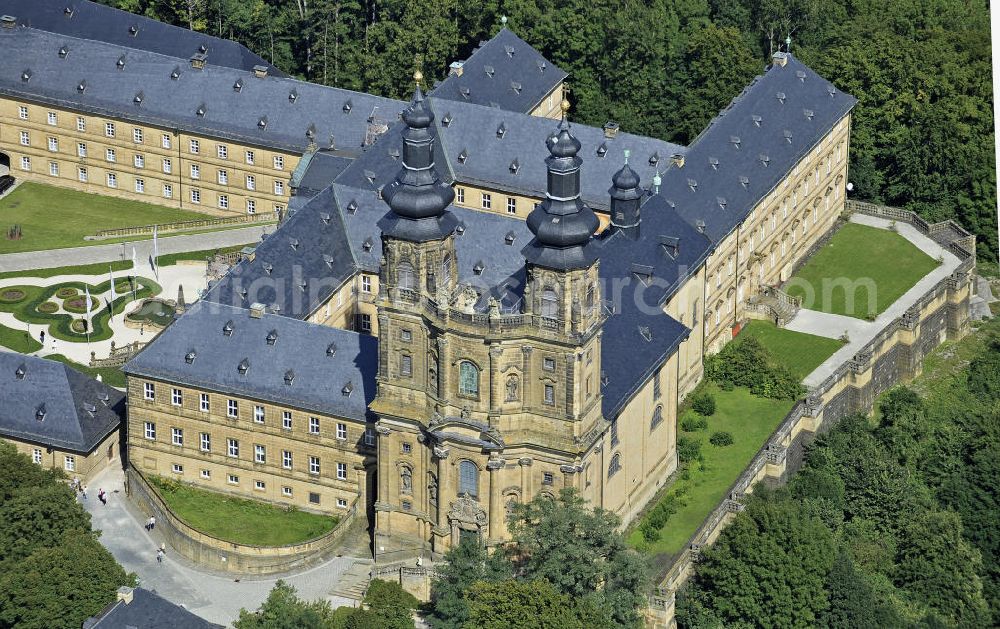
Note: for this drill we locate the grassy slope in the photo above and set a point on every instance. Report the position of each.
(239, 520)
(18, 340)
(52, 217)
(800, 352)
(858, 252)
(111, 376)
(751, 420)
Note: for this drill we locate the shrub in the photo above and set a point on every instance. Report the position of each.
(694, 424)
(657, 518)
(726, 385)
(721, 439)
(48, 307)
(688, 449)
(746, 362)
(66, 292)
(703, 403)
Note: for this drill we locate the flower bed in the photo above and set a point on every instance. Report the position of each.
(78, 304)
(11, 295)
(66, 292)
(79, 326)
(48, 307)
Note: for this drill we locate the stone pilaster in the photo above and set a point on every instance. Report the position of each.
(525, 464)
(528, 386)
(495, 353)
(496, 508)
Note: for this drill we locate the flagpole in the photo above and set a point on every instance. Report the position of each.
(89, 318)
(111, 275)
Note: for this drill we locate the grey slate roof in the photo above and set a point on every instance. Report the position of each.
(807, 110)
(504, 72)
(91, 20)
(300, 349)
(289, 107)
(322, 169)
(79, 411)
(148, 610)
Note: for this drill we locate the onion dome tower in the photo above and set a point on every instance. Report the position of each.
(562, 223)
(625, 200)
(417, 197)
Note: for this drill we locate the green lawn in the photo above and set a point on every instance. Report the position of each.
(18, 340)
(99, 268)
(239, 520)
(52, 217)
(111, 376)
(174, 258)
(800, 352)
(750, 420)
(860, 272)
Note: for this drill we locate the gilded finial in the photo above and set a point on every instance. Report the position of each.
(418, 77)
(564, 105)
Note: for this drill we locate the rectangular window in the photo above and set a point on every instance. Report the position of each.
(314, 465)
(206, 442)
(137, 135)
(222, 151)
(341, 503)
(369, 436)
(223, 177)
(194, 146)
(313, 425)
(313, 498)
(258, 413)
(22, 112)
(150, 430)
(232, 408)
(109, 154)
(341, 431)
(223, 201)
(195, 195)
(233, 448)
(460, 195)
(54, 169)
(149, 391)
(139, 161)
(550, 394)
(109, 129)
(233, 479)
(286, 491)
(286, 420)
(176, 397)
(177, 436)
(112, 180)
(251, 206)
(168, 166)
(195, 171)
(25, 162)
(81, 149)
(549, 364)
(286, 459)
(165, 141)
(140, 185)
(168, 191)
(249, 157)
(81, 174)
(406, 365)
(204, 402)
(177, 468)
(259, 454)
(366, 284)
(206, 474)
(366, 323)
(36, 456)
(341, 471)
(52, 118)
(511, 205)
(279, 162)
(54, 145)
(70, 463)
(259, 485)
(407, 448)
(279, 188)
(487, 200)
(25, 138)
(547, 478)
(81, 124)
(251, 182)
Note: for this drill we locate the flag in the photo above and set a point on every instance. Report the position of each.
(112, 276)
(87, 289)
(156, 253)
(135, 262)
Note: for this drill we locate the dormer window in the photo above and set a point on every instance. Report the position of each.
(20, 372)
(721, 201)
(446, 120)
(348, 389)
(781, 97)
(541, 65)
(478, 268)
(104, 398)
(139, 96)
(272, 337)
(642, 272)
(40, 412)
(370, 176)
(646, 333)
(464, 155)
(201, 111)
(693, 185)
(328, 259)
(325, 217)
(63, 51)
(460, 230)
(268, 267)
(26, 75)
(302, 285)
(175, 73)
(514, 166)
(238, 85)
(368, 244)
(190, 356)
(81, 86)
(262, 123)
(489, 71)
(293, 96)
(501, 130)
(654, 159)
(90, 408)
(121, 62)
(832, 91)
(800, 75)
(331, 350)
(514, 85)
(510, 238)
(294, 243)
(808, 113)
(714, 163)
(289, 377)
(744, 181)
(243, 367)
(227, 329)
(788, 136)
(347, 106)
(509, 50)
(352, 207)
(465, 93)
(735, 141)
(602, 150)
(764, 159)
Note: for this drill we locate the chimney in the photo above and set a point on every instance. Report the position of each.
(610, 129)
(257, 310)
(198, 60)
(8, 21)
(125, 594)
(779, 59)
(677, 159)
(456, 68)
(260, 71)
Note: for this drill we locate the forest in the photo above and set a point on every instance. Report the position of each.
(923, 133)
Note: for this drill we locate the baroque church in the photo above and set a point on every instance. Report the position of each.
(470, 301)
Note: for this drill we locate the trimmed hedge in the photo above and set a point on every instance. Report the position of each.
(12, 295)
(694, 424)
(658, 517)
(66, 292)
(47, 307)
(78, 305)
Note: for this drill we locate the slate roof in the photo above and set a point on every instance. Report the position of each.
(91, 20)
(504, 72)
(78, 411)
(272, 111)
(322, 169)
(148, 610)
(301, 349)
(795, 108)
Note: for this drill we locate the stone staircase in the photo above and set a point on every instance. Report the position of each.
(778, 306)
(354, 582)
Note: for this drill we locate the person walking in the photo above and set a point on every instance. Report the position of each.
(102, 497)
(159, 555)
(83, 490)
(150, 523)
(41, 335)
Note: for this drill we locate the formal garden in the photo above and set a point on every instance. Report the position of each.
(239, 520)
(860, 272)
(749, 388)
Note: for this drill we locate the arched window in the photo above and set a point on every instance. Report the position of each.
(550, 304)
(468, 479)
(589, 302)
(404, 276)
(468, 378)
(446, 270)
(657, 417)
(615, 465)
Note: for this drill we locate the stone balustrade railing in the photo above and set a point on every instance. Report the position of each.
(162, 228)
(118, 356)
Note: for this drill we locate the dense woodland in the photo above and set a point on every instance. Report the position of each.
(891, 523)
(922, 135)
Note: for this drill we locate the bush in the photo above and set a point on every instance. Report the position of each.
(694, 424)
(746, 363)
(721, 439)
(726, 385)
(688, 449)
(48, 307)
(703, 403)
(657, 518)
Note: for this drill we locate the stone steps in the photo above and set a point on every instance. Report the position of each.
(354, 582)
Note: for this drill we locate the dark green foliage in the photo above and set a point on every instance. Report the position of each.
(515, 604)
(464, 565)
(726, 385)
(721, 439)
(746, 362)
(984, 373)
(688, 449)
(658, 517)
(703, 403)
(694, 424)
(853, 604)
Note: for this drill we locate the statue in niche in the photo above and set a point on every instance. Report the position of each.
(511, 503)
(432, 489)
(512, 389)
(406, 480)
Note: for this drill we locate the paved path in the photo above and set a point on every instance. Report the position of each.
(860, 331)
(144, 248)
(215, 597)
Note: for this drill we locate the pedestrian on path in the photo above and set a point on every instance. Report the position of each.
(41, 335)
(102, 497)
(83, 490)
(150, 523)
(159, 555)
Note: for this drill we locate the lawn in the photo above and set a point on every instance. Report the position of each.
(111, 376)
(204, 254)
(18, 340)
(801, 353)
(98, 268)
(860, 272)
(239, 520)
(750, 420)
(53, 218)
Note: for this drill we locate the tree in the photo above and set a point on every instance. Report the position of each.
(853, 604)
(984, 373)
(463, 566)
(284, 610)
(512, 604)
(389, 605)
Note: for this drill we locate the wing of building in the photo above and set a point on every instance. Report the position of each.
(516, 303)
